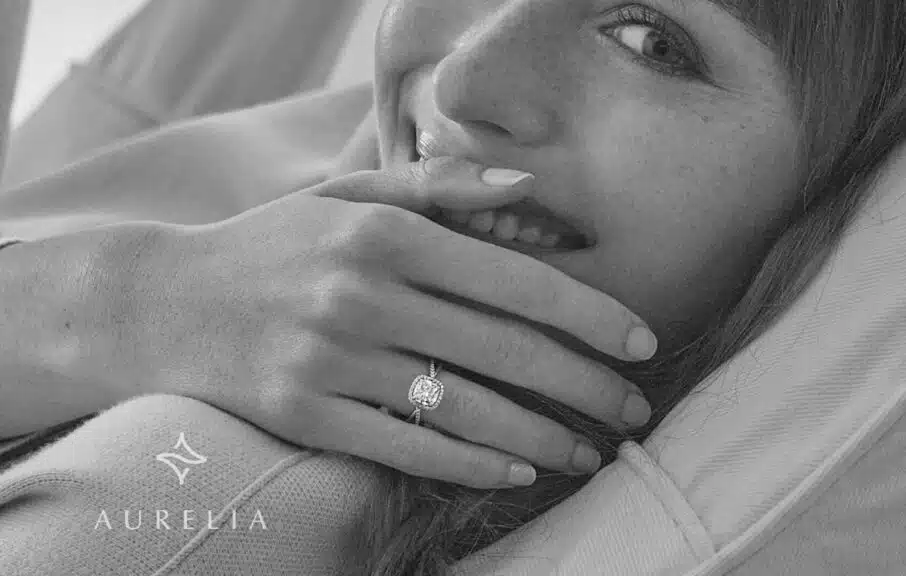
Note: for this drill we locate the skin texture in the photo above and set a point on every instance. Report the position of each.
(682, 180)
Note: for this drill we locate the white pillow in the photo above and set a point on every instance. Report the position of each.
(355, 61)
(790, 460)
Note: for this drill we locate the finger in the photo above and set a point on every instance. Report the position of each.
(521, 285)
(415, 450)
(509, 281)
(443, 182)
(471, 412)
(404, 318)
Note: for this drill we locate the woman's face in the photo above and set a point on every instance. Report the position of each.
(662, 130)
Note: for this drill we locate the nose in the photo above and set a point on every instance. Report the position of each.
(497, 80)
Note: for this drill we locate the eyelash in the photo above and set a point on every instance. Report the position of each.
(637, 15)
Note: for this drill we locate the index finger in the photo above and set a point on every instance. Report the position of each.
(521, 285)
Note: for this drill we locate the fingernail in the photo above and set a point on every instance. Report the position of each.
(504, 177)
(586, 459)
(636, 411)
(521, 474)
(641, 343)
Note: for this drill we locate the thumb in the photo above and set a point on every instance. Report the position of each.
(442, 182)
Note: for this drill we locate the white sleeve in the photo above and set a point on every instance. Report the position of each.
(629, 519)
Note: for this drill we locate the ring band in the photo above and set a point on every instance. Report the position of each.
(425, 392)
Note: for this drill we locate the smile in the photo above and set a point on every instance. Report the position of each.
(524, 226)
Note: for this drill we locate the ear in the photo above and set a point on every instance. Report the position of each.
(362, 152)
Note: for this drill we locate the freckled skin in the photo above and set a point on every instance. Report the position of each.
(682, 179)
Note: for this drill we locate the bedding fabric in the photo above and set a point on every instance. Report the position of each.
(786, 462)
(176, 59)
(789, 461)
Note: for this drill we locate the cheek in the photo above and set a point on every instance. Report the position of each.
(683, 207)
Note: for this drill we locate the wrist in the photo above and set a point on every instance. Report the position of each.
(68, 344)
(136, 274)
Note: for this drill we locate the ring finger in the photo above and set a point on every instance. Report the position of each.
(471, 412)
(400, 317)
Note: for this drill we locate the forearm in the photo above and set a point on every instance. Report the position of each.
(62, 325)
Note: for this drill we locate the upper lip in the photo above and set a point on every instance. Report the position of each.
(436, 142)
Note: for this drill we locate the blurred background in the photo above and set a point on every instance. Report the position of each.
(63, 32)
(95, 72)
(59, 32)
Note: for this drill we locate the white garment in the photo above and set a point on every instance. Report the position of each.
(790, 460)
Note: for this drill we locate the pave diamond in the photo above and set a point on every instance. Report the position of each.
(426, 392)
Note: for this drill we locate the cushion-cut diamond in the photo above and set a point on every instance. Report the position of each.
(426, 392)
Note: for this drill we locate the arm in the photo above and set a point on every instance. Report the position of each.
(91, 224)
(59, 315)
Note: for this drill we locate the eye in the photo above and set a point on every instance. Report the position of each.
(654, 39)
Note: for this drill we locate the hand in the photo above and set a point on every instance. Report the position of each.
(304, 314)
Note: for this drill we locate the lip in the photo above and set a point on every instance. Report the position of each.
(576, 235)
(569, 242)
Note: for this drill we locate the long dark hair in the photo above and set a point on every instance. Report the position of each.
(845, 61)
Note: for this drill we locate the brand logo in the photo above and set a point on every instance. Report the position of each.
(170, 458)
(180, 460)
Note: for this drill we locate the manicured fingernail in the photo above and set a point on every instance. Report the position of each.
(503, 177)
(641, 343)
(521, 474)
(636, 411)
(586, 459)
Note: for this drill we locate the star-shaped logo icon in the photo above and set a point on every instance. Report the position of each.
(169, 457)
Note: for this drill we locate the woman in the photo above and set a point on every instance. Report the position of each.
(705, 242)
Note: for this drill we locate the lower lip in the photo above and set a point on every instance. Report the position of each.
(409, 153)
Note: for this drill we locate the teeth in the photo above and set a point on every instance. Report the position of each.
(506, 227)
(530, 235)
(503, 226)
(482, 222)
(460, 216)
(549, 240)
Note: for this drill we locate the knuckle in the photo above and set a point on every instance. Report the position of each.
(509, 346)
(372, 231)
(342, 300)
(285, 403)
(435, 167)
(316, 363)
(528, 287)
(469, 413)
